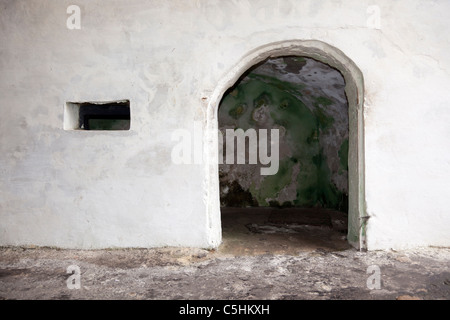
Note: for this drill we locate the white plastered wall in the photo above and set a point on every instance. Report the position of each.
(83, 189)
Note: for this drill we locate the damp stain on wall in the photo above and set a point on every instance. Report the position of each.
(305, 100)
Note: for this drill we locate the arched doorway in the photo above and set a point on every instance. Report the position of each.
(331, 56)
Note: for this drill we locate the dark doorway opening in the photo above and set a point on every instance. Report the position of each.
(305, 204)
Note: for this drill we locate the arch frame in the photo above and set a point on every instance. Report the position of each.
(354, 89)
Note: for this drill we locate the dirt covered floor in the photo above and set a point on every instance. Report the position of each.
(264, 255)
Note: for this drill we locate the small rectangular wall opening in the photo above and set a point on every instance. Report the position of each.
(111, 115)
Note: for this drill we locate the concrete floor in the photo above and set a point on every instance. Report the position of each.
(255, 231)
(266, 254)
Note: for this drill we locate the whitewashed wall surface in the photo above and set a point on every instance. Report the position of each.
(100, 189)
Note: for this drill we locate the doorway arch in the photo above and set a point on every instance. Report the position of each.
(354, 89)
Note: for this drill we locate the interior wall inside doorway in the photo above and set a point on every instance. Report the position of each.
(305, 99)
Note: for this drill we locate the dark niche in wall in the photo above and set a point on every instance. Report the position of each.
(112, 115)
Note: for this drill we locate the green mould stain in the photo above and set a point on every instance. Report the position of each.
(305, 100)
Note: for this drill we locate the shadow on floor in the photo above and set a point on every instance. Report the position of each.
(256, 231)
